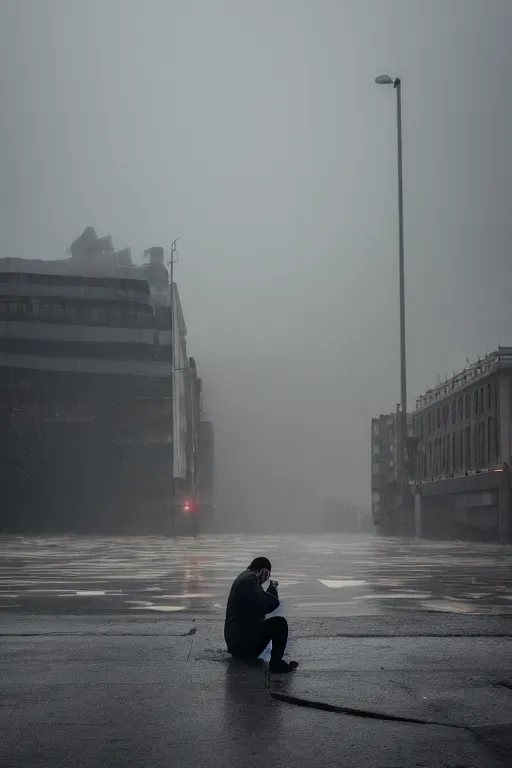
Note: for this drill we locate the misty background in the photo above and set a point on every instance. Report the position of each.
(254, 132)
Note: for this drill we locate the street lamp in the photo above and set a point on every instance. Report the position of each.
(397, 85)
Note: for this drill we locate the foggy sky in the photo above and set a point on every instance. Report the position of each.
(254, 131)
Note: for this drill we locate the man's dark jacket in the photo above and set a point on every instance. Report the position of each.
(248, 603)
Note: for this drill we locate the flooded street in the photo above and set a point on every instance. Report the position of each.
(318, 576)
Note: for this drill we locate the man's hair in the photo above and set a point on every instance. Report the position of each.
(259, 563)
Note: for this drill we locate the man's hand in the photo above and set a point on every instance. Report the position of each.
(272, 589)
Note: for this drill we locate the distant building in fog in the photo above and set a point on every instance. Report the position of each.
(340, 516)
(385, 470)
(383, 466)
(100, 404)
(463, 453)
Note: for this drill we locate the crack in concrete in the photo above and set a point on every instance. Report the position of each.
(416, 635)
(504, 684)
(98, 634)
(365, 713)
(479, 734)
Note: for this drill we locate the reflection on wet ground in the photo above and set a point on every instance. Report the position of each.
(318, 576)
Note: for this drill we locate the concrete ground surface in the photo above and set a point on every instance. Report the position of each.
(112, 654)
(121, 691)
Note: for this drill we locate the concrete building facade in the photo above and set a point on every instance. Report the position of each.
(463, 453)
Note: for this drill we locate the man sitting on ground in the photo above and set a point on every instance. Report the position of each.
(246, 631)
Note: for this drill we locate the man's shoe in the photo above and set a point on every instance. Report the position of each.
(282, 667)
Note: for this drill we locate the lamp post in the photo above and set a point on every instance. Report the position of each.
(397, 85)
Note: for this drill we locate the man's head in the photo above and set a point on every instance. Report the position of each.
(262, 567)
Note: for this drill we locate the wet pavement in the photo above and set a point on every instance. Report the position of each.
(324, 576)
(112, 653)
(125, 690)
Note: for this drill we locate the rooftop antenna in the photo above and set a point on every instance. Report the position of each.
(173, 260)
(174, 256)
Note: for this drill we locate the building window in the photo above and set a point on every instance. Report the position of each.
(467, 449)
(468, 406)
(71, 313)
(3, 308)
(131, 318)
(45, 310)
(479, 446)
(489, 397)
(454, 411)
(429, 424)
(460, 409)
(95, 315)
(14, 308)
(491, 440)
(438, 420)
(57, 311)
(115, 317)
